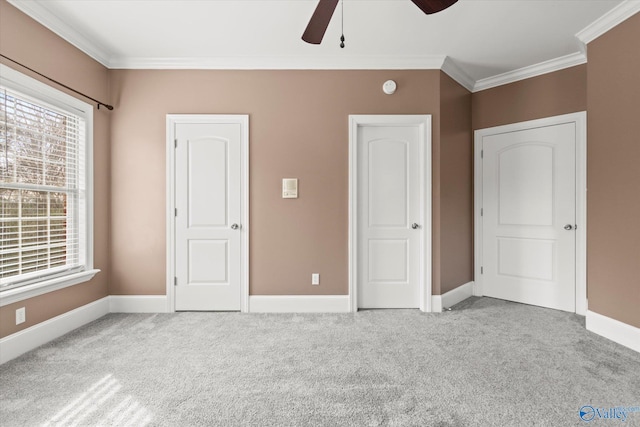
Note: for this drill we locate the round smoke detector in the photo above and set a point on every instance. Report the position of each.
(389, 87)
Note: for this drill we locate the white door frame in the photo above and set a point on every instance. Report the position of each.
(424, 122)
(580, 121)
(172, 121)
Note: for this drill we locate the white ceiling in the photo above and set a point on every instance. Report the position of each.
(480, 38)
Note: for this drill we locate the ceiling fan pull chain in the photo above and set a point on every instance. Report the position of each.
(342, 19)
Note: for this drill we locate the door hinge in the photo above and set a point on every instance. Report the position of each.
(175, 281)
(482, 154)
(175, 143)
(175, 212)
(481, 212)
(481, 270)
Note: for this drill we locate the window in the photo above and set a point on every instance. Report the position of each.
(45, 186)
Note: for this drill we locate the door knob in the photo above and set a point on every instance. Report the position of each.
(234, 226)
(415, 226)
(568, 227)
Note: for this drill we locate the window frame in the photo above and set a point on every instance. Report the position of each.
(19, 82)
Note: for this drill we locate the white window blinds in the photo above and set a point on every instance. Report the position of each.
(43, 211)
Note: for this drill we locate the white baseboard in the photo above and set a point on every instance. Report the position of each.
(28, 339)
(626, 335)
(299, 304)
(453, 297)
(138, 304)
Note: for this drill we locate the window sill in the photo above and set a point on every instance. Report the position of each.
(18, 294)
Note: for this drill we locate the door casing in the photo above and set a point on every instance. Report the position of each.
(171, 121)
(424, 123)
(580, 121)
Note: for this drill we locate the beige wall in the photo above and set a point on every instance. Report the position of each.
(26, 41)
(298, 128)
(552, 94)
(613, 180)
(456, 189)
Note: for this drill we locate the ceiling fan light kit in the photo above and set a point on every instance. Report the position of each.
(321, 17)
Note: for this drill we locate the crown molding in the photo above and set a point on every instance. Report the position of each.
(289, 62)
(39, 12)
(545, 67)
(454, 71)
(606, 22)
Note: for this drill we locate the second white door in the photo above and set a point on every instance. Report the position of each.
(389, 218)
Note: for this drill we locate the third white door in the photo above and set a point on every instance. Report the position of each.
(529, 216)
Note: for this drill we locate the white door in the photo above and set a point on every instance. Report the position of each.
(529, 216)
(208, 216)
(389, 216)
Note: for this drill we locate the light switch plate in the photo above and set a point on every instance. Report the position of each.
(315, 279)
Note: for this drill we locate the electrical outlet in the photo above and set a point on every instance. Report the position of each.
(21, 315)
(315, 279)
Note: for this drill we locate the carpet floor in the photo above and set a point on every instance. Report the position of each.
(486, 363)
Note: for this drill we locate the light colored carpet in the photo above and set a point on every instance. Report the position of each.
(486, 363)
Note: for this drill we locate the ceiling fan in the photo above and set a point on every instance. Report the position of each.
(320, 19)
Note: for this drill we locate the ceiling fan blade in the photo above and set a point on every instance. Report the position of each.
(433, 6)
(319, 21)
